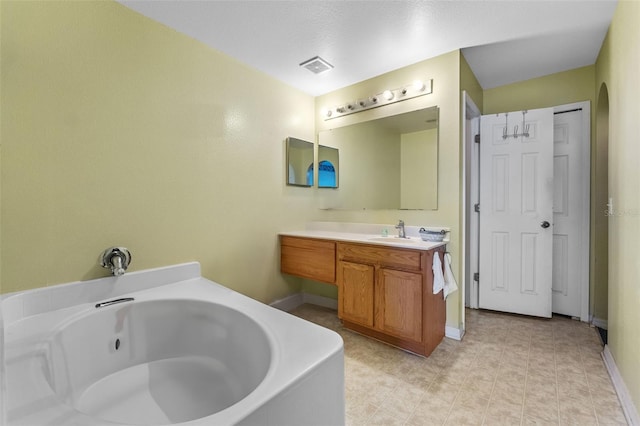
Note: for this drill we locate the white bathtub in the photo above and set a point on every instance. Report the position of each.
(185, 351)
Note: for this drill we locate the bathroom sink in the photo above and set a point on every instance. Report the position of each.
(393, 240)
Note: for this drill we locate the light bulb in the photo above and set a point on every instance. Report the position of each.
(388, 94)
(326, 112)
(418, 85)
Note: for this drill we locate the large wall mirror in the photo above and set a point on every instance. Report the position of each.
(328, 166)
(387, 163)
(299, 162)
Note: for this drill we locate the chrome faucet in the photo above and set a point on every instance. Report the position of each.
(117, 259)
(400, 228)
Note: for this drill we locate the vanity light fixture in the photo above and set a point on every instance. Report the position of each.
(409, 91)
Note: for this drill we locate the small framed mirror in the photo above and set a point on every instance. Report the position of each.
(299, 162)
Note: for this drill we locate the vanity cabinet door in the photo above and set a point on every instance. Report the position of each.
(399, 299)
(355, 292)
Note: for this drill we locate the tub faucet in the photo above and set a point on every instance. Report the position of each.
(400, 228)
(117, 259)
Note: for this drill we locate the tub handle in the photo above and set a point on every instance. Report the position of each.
(114, 302)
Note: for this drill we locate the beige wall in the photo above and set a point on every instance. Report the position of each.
(119, 131)
(617, 66)
(445, 71)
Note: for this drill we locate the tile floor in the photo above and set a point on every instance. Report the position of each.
(508, 370)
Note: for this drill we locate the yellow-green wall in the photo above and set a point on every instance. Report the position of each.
(555, 89)
(617, 66)
(117, 130)
(469, 83)
(445, 71)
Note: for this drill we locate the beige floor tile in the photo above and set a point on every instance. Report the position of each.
(486, 374)
(471, 400)
(385, 418)
(612, 419)
(360, 410)
(465, 416)
(508, 370)
(429, 412)
(578, 420)
(499, 408)
(504, 392)
(544, 409)
(578, 407)
(491, 420)
(444, 392)
(482, 388)
(532, 420)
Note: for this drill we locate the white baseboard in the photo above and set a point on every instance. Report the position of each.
(453, 333)
(600, 323)
(288, 303)
(628, 407)
(325, 302)
(291, 302)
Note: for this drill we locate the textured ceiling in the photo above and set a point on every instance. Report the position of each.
(503, 41)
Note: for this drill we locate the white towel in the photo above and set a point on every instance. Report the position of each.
(450, 284)
(438, 277)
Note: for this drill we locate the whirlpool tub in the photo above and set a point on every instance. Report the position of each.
(185, 350)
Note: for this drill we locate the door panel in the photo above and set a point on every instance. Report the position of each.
(516, 197)
(355, 301)
(568, 199)
(399, 304)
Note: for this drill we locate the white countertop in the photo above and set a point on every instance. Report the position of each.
(410, 242)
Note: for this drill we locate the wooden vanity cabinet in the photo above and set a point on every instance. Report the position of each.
(387, 293)
(308, 258)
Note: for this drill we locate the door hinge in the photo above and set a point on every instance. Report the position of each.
(476, 208)
(477, 138)
(476, 276)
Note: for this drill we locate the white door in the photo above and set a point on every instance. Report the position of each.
(516, 209)
(570, 213)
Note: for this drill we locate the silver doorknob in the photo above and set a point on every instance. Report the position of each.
(545, 224)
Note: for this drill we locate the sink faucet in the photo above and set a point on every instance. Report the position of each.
(117, 259)
(400, 228)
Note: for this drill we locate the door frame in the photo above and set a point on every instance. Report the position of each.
(585, 227)
(470, 180)
(471, 239)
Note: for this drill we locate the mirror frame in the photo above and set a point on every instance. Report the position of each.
(288, 142)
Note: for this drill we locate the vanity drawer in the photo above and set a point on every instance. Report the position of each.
(382, 256)
(308, 258)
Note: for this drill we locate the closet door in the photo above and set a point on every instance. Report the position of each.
(516, 212)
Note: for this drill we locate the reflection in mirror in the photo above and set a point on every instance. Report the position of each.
(299, 159)
(387, 163)
(328, 167)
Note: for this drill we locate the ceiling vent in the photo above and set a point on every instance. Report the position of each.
(316, 65)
